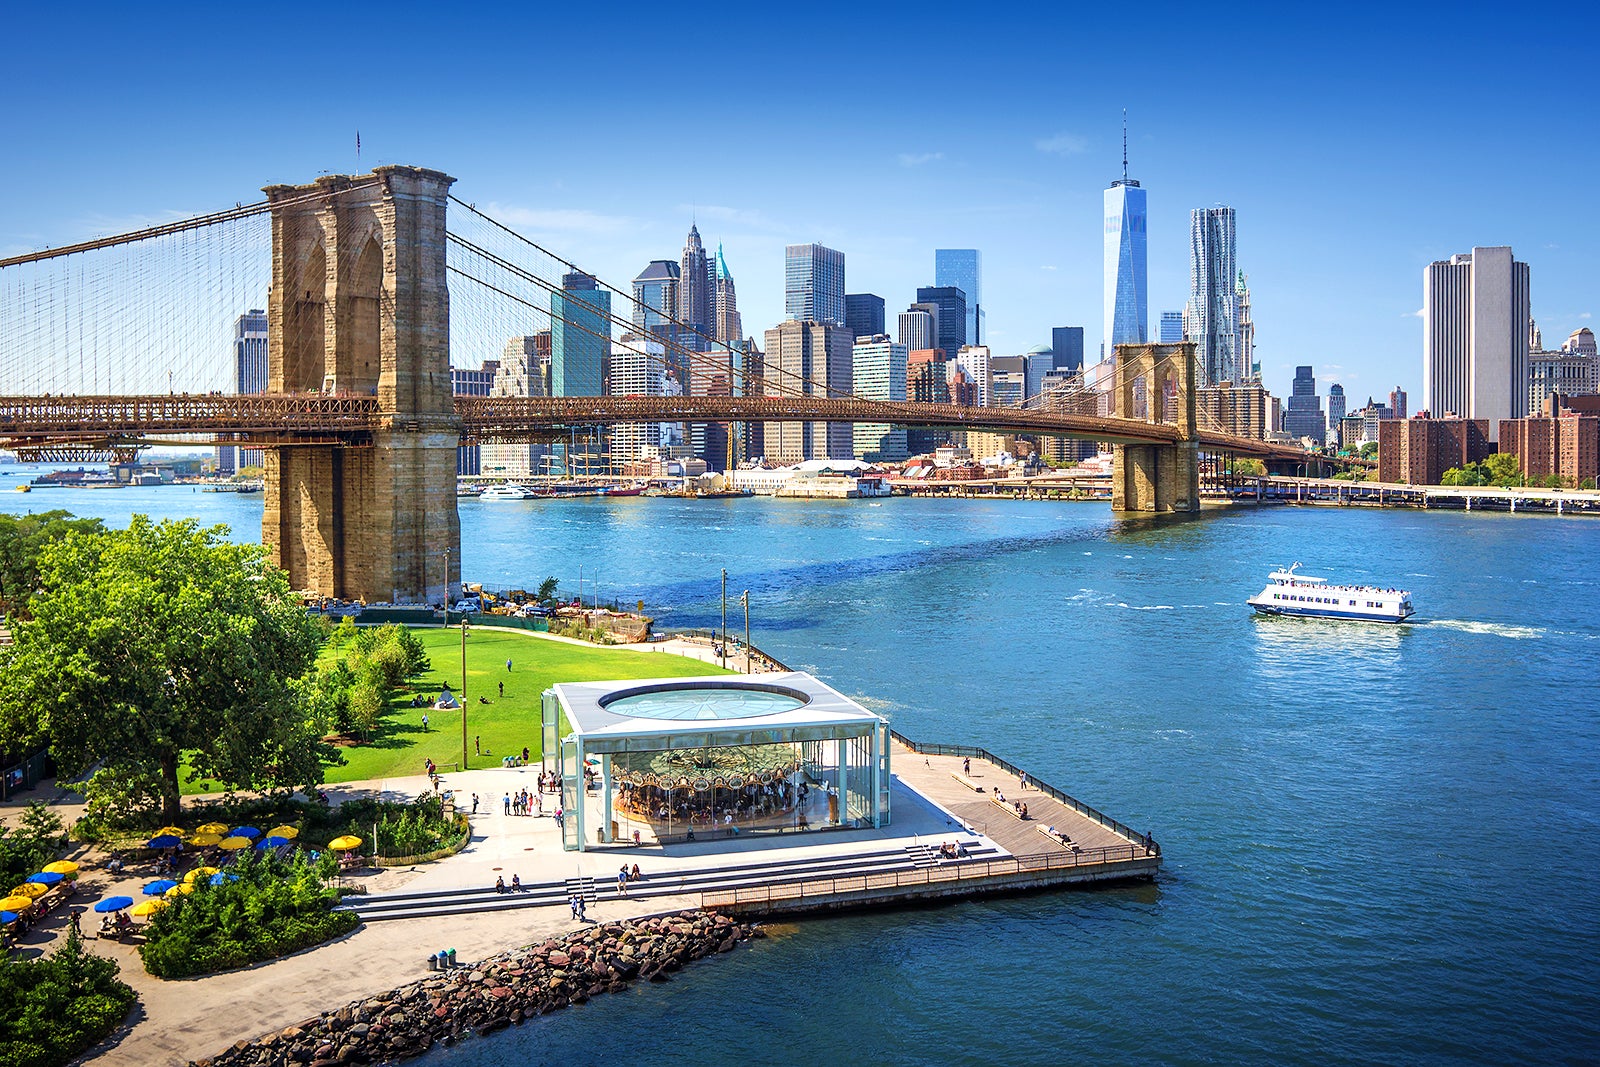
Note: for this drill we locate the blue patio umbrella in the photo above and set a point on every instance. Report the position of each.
(272, 842)
(46, 877)
(245, 831)
(164, 841)
(7, 918)
(113, 904)
(155, 889)
(220, 877)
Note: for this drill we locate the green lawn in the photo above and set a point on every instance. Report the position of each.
(505, 725)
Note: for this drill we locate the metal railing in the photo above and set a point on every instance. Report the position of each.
(972, 752)
(817, 888)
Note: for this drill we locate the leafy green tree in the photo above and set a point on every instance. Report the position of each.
(21, 539)
(1503, 469)
(158, 643)
(547, 590)
(1369, 450)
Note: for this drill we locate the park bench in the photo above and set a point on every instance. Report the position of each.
(1058, 837)
(1005, 805)
(968, 782)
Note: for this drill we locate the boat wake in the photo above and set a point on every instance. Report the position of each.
(1516, 633)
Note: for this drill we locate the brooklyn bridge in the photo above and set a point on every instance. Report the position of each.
(110, 345)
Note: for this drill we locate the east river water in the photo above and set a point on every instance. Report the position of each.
(1380, 842)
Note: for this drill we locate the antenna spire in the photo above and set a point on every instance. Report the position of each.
(1124, 144)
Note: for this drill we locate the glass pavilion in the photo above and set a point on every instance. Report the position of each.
(723, 755)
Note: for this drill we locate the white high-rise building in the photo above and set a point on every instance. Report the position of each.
(1476, 309)
(878, 372)
(521, 372)
(974, 359)
(1213, 317)
(250, 374)
(917, 330)
(808, 359)
(639, 368)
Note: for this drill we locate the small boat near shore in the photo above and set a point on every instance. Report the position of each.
(509, 491)
(1292, 593)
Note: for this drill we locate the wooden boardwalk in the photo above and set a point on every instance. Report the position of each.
(935, 778)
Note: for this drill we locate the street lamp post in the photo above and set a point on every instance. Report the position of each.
(744, 598)
(724, 618)
(445, 591)
(463, 692)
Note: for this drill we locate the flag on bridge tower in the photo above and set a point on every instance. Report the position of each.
(358, 146)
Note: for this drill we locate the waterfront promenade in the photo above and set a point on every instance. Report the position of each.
(183, 1020)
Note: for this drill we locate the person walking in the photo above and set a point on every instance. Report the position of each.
(966, 767)
(424, 722)
(474, 803)
(1022, 780)
(508, 803)
(502, 689)
(477, 744)
(573, 902)
(508, 666)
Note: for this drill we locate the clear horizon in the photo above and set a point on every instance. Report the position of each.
(1354, 151)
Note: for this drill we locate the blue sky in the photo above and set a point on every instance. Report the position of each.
(1356, 144)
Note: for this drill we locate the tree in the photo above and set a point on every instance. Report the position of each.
(158, 643)
(1369, 449)
(21, 539)
(1503, 469)
(547, 590)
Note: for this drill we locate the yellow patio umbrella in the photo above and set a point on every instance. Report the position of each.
(233, 844)
(180, 890)
(283, 831)
(199, 872)
(205, 840)
(345, 843)
(31, 890)
(15, 903)
(218, 828)
(149, 907)
(61, 867)
(173, 830)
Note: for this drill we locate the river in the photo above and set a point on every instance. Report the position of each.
(1379, 841)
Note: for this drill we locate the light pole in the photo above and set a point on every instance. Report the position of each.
(744, 598)
(463, 692)
(446, 590)
(724, 618)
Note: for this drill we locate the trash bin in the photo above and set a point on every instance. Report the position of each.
(452, 956)
(433, 963)
(444, 961)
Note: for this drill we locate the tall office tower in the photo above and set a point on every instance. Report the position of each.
(1335, 410)
(1304, 417)
(467, 382)
(1126, 280)
(696, 283)
(974, 359)
(963, 268)
(580, 336)
(813, 284)
(878, 372)
(1008, 381)
(950, 316)
(863, 314)
(1581, 342)
(1171, 327)
(808, 359)
(1039, 361)
(1067, 344)
(655, 295)
(1397, 402)
(639, 368)
(250, 368)
(1475, 334)
(728, 326)
(522, 372)
(918, 329)
(1213, 296)
(1247, 335)
(927, 382)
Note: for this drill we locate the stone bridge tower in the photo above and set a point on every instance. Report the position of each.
(359, 307)
(1155, 383)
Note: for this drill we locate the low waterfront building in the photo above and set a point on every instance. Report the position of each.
(1418, 451)
(818, 478)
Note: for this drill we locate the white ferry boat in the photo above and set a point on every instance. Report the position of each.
(1292, 593)
(509, 491)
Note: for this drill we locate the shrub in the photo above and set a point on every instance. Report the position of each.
(24, 848)
(52, 1009)
(272, 909)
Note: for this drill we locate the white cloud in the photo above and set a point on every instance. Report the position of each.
(1047, 266)
(1062, 144)
(908, 159)
(1586, 315)
(560, 220)
(1417, 314)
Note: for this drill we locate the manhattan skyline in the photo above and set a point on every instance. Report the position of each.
(1344, 191)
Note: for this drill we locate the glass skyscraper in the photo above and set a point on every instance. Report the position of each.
(951, 322)
(580, 337)
(1127, 278)
(863, 313)
(1066, 343)
(1214, 296)
(655, 295)
(963, 268)
(1171, 327)
(813, 284)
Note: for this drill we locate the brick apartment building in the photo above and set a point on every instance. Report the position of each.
(1419, 451)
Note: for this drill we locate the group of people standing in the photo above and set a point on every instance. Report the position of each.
(523, 802)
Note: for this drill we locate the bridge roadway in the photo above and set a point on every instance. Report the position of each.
(314, 418)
